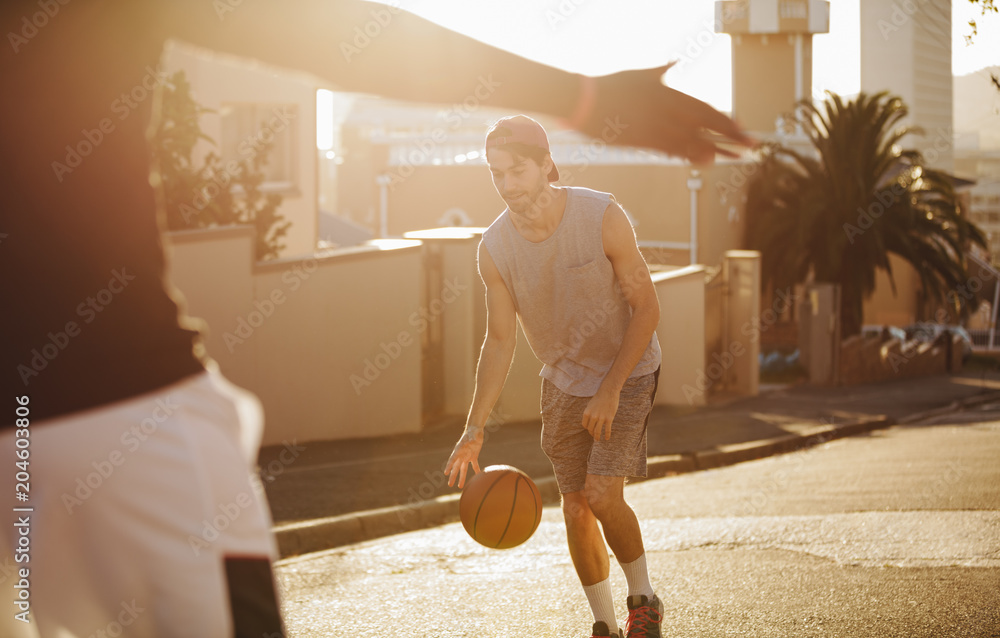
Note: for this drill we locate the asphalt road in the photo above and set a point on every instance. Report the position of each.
(892, 534)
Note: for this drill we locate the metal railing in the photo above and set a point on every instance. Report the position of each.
(981, 339)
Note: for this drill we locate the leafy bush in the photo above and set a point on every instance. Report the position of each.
(217, 193)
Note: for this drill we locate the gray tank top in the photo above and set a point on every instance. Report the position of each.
(567, 297)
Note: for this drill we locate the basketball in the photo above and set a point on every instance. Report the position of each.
(500, 507)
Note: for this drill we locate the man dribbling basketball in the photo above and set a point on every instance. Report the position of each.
(564, 261)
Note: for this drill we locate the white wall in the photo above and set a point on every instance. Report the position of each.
(682, 335)
(330, 344)
(325, 342)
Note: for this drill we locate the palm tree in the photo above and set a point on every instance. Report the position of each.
(838, 213)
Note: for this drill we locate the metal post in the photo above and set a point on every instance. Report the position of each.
(694, 184)
(799, 68)
(383, 181)
(993, 319)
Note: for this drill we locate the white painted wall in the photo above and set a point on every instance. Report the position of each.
(325, 342)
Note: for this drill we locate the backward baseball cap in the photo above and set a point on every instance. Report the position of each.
(523, 130)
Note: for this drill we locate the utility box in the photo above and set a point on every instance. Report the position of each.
(743, 321)
(819, 333)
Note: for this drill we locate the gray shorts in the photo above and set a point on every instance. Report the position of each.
(574, 453)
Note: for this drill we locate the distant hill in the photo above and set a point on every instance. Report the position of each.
(977, 109)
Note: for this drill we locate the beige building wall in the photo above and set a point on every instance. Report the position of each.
(334, 346)
(217, 81)
(328, 343)
(213, 272)
(421, 200)
(462, 316)
(655, 196)
(746, 323)
(681, 332)
(343, 355)
(772, 55)
(764, 77)
(522, 393)
(901, 309)
(906, 49)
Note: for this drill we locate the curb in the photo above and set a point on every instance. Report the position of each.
(954, 406)
(295, 539)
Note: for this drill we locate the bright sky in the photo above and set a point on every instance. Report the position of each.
(602, 36)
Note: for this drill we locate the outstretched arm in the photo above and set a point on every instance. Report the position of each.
(374, 48)
(378, 49)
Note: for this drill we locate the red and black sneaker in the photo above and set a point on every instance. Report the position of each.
(644, 617)
(601, 631)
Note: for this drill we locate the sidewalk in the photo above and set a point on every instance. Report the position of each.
(331, 493)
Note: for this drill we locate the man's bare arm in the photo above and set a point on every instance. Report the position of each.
(637, 287)
(491, 373)
(374, 48)
(633, 277)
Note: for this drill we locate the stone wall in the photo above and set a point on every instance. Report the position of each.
(871, 360)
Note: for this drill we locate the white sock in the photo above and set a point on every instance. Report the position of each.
(602, 603)
(638, 577)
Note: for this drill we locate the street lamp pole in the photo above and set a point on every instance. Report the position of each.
(694, 184)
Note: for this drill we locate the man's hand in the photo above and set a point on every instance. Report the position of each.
(600, 413)
(635, 108)
(466, 451)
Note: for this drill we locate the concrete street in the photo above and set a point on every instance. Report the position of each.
(891, 534)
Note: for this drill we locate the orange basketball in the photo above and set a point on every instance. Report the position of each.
(500, 507)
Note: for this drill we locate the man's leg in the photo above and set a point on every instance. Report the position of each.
(590, 558)
(608, 465)
(605, 496)
(603, 500)
(568, 446)
(589, 498)
(586, 544)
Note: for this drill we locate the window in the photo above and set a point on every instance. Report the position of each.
(795, 9)
(249, 129)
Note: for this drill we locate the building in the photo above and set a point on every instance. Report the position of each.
(412, 167)
(906, 50)
(977, 149)
(772, 55)
(253, 105)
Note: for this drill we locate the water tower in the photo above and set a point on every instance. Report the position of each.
(772, 55)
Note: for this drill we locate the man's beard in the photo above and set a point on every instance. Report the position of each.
(527, 203)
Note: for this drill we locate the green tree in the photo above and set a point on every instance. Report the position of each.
(216, 193)
(837, 213)
(986, 6)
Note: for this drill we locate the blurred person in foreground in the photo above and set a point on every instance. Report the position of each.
(134, 438)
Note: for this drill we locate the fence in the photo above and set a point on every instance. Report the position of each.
(981, 339)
